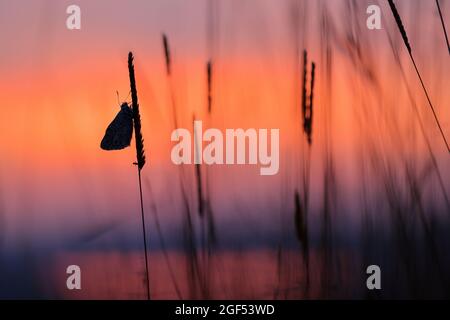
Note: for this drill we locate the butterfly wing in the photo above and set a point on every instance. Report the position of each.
(120, 131)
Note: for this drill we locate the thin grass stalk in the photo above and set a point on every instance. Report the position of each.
(305, 69)
(301, 226)
(191, 248)
(304, 113)
(162, 242)
(208, 225)
(198, 177)
(166, 53)
(140, 153)
(308, 122)
(307, 104)
(422, 128)
(206, 221)
(209, 211)
(140, 157)
(402, 30)
(301, 211)
(443, 25)
(189, 228)
(311, 100)
(198, 174)
(209, 77)
(168, 62)
(329, 188)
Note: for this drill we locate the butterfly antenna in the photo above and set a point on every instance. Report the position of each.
(129, 102)
(118, 98)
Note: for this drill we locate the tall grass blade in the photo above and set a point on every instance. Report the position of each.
(401, 28)
(443, 25)
(140, 156)
(166, 53)
(405, 40)
(209, 75)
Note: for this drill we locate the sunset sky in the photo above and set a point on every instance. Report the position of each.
(58, 189)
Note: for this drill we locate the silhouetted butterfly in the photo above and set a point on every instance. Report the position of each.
(120, 131)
